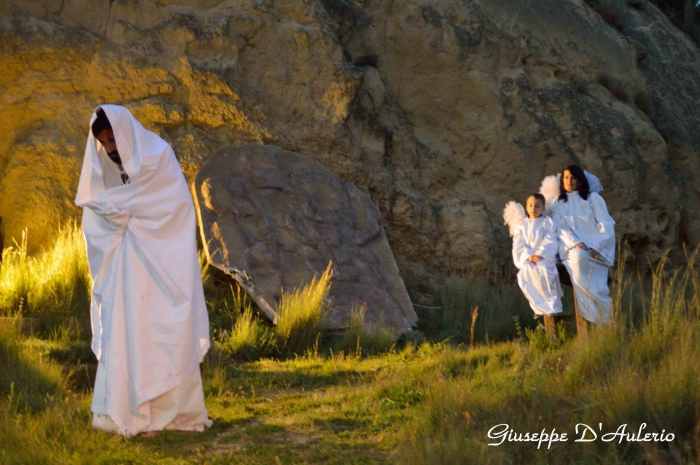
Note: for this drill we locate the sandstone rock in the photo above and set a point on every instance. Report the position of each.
(180, 67)
(279, 218)
(440, 110)
(670, 62)
(493, 96)
(89, 14)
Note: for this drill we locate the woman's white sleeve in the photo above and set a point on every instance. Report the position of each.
(566, 235)
(605, 237)
(520, 248)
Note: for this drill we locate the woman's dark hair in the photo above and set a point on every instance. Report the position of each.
(539, 197)
(583, 188)
(101, 123)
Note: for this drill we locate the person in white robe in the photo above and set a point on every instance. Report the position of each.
(149, 318)
(534, 254)
(586, 234)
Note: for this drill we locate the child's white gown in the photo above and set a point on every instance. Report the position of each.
(539, 282)
(587, 221)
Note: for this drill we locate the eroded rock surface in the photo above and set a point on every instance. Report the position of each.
(495, 94)
(203, 75)
(440, 110)
(280, 217)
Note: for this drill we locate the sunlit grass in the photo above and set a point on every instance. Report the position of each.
(55, 283)
(301, 313)
(314, 397)
(246, 338)
(245, 331)
(640, 370)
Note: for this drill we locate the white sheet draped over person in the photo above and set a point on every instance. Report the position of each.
(149, 318)
(586, 239)
(534, 254)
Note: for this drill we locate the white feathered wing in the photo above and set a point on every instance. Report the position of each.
(513, 214)
(550, 189)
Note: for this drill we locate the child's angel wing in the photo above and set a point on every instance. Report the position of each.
(513, 214)
(550, 189)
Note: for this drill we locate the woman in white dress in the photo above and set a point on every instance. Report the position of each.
(586, 243)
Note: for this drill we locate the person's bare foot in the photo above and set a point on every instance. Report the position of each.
(149, 434)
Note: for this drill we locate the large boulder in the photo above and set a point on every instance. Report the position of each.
(274, 219)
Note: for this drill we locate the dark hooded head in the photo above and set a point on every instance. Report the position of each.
(102, 130)
(101, 123)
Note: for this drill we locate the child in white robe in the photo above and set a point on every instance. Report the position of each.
(534, 254)
(586, 234)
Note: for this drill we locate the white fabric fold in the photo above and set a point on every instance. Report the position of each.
(149, 318)
(539, 282)
(590, 280)
(586, 221)
(181, 408)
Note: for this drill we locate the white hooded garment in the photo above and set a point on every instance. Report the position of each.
(149, 318)
(587, 221)
(539, 282)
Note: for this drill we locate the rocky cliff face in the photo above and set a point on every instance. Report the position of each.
(498, 94)
(441, 110)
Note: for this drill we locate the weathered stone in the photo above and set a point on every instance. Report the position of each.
(440, 110)
(487, 97)
(178, 66)
(279, 218)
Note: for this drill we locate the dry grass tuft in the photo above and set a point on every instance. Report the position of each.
(363, 338)
(301, 313)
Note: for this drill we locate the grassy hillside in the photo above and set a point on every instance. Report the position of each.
(299, 395)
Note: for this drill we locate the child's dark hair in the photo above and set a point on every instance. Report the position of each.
(101, 123)
(583, 188)
(539, 197)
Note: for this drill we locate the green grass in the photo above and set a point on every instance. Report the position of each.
(642, 369)
(359, 337)
(301, 313)
(452, 314)
(248, 338)
(358, 398)
(54, 285)
(27, 381)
